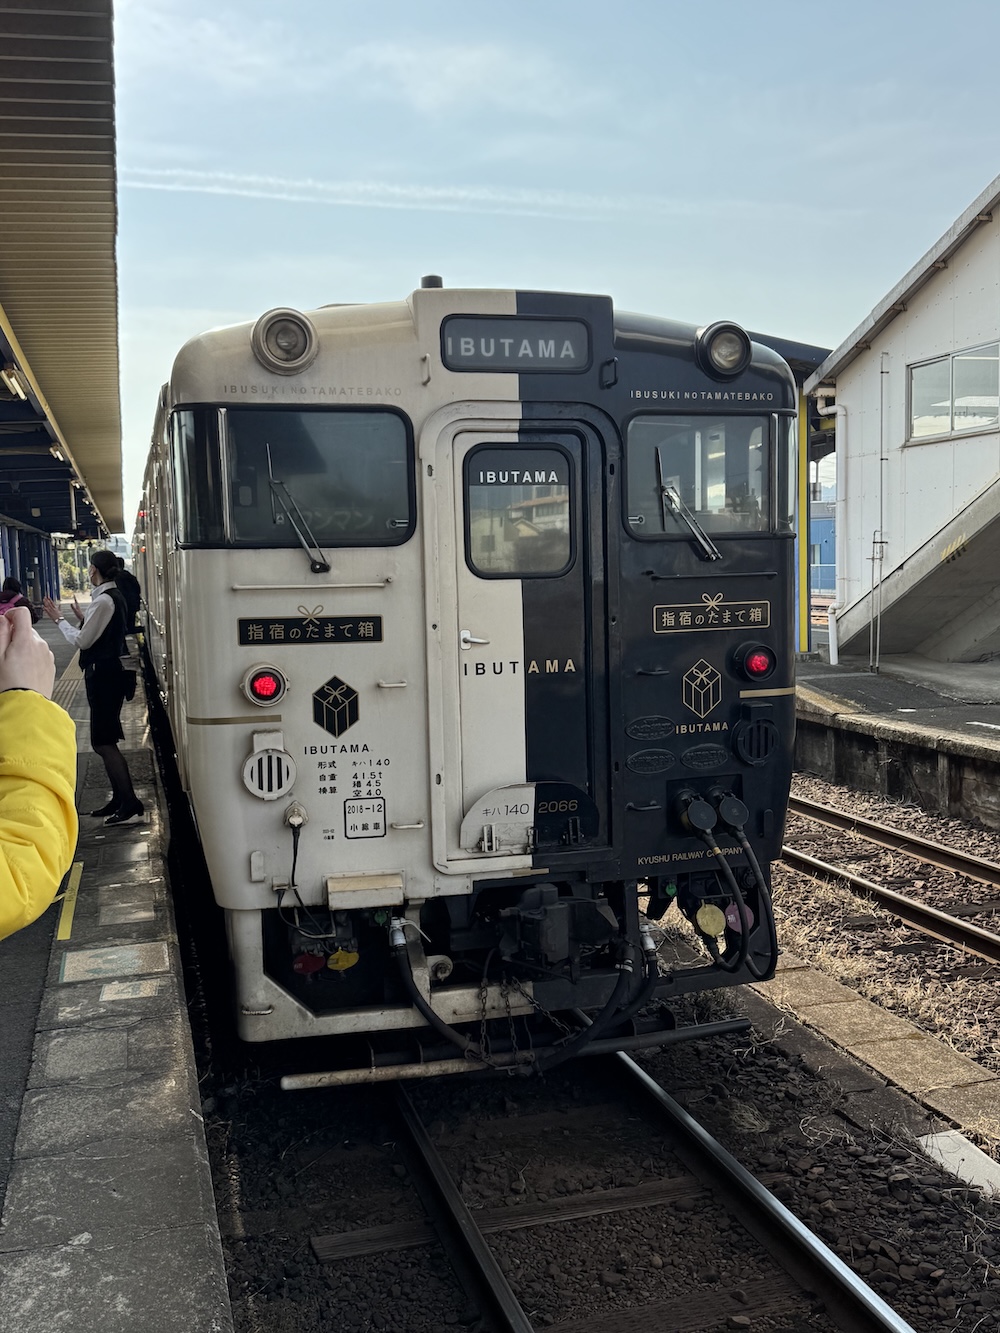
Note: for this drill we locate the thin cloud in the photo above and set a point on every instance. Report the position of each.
(375, 194)
(482, 200)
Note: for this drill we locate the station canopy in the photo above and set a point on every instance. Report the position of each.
(60, 417)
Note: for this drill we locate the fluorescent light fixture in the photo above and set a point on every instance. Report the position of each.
(57, 454)
(11, 378)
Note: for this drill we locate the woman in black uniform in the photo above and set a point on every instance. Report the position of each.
(100, 636)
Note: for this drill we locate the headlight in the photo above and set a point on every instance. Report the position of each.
(724, 350)
(284, 341)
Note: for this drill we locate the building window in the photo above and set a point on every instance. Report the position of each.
(960, 392)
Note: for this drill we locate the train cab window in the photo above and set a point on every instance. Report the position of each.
(518, 512)
(786, 470)
(197, 477)
(346, 477)
(717, 468)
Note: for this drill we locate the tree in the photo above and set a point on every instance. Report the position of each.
(68, 575)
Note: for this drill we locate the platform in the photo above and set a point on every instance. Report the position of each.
(952, 693)
(917, 730)
(108, 1218)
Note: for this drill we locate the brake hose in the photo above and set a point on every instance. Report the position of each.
(397, 942)
(556, 1055)
(652, 976)
(545, 1058)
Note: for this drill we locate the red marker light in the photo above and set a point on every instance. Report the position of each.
(759, 663)
(264, 685)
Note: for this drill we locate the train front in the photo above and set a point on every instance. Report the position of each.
(474, 620)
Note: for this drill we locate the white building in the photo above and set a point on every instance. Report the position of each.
(916, 394)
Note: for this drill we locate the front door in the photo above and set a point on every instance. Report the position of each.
(522, 645)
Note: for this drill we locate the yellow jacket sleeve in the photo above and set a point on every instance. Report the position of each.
(38, 822)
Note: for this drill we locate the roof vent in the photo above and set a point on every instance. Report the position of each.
(431, 280)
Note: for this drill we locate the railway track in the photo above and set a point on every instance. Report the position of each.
(948, 927)
(808, 1268)
(899, 840)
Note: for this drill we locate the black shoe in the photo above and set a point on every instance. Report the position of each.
(108, 809)
(126, 812)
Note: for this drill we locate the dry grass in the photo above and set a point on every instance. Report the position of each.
(815, 923)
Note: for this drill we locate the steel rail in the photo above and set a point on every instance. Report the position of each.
(946, 858)
(807, 1260)
(929, 920)
(455, 1215)
(849, 1301)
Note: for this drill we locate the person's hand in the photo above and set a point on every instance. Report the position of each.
(76, 610)
(26, 661)
(51, 609)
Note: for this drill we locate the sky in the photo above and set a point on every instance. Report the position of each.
(781, 163)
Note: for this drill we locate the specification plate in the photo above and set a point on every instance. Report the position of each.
(365, 819)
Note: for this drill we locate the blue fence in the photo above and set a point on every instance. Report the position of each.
(823, 579)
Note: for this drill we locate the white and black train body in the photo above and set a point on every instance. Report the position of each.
(473, 618)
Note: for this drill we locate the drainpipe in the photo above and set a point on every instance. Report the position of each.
(825, 409)
(878, 538)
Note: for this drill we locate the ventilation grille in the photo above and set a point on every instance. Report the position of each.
(756, 742)
(269, 774)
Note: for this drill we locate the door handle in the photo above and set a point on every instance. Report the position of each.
(466, 638)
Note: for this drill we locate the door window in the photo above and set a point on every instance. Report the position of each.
(519, 512)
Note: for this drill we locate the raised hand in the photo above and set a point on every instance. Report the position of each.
(26, 661)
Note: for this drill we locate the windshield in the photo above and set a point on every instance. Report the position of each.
(716, 467)
(345, 475)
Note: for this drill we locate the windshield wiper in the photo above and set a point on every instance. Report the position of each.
(318, 563)
(671, 502)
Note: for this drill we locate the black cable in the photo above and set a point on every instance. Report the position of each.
(652, 976)
(565, 1050)
(734, 815)
(701, 817)
(464, 1044)
(767, 907)
(320, 933)
(743, 956)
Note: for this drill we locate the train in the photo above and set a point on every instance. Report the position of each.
(472, 616)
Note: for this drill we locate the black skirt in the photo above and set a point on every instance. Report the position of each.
(105, 682)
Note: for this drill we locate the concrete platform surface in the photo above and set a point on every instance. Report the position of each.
(919, 731)
(109, 1222)
(913, 692)
(937, 1078)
